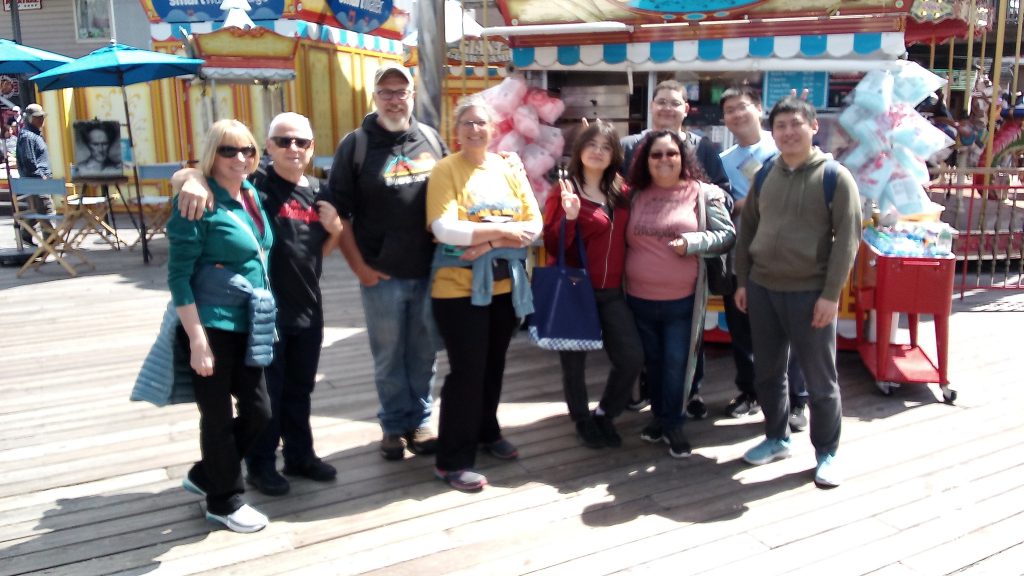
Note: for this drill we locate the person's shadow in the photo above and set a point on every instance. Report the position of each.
(104, 534)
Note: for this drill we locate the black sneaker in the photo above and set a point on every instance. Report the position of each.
(742, 405)
(268, 481)
(315, 469)
(678, 445)
(606, 427)
(643, 400)
(652, 433)
(798, 418)
(588, 434)
(696, 408)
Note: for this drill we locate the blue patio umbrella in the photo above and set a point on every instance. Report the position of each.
(119, 65)
(19, 59)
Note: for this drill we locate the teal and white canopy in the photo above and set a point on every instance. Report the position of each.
(833, 52)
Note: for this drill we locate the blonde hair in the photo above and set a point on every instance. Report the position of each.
(221, 131)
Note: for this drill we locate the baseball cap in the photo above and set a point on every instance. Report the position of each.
(389, 69)
(34, 110)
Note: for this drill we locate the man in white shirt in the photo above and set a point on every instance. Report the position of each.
(741, 112)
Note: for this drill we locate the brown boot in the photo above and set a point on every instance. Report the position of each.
(421, 441)
(392, 447)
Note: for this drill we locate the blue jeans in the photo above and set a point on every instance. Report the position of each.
(664, 328)
(402, 341)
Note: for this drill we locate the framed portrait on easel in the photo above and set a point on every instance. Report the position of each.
(98, 149)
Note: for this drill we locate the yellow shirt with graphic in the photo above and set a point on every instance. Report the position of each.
(491, 192)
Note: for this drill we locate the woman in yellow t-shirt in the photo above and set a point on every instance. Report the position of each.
(483, 214)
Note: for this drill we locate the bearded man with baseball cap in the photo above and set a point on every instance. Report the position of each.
(379, 182)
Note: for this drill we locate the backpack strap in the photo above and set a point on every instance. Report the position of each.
(829, 181)
(433, 138)
(762, 175)
(359, 155)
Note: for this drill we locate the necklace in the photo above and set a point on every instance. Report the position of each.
(592, 194)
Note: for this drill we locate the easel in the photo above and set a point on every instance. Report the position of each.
(104, 183)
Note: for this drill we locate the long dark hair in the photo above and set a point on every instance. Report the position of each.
(640, 172)
(610, 184)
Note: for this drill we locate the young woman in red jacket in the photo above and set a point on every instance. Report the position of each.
(593, 200)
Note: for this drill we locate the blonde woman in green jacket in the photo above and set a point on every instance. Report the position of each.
(234, 235)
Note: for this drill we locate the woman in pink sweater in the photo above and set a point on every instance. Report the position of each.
(675, 220)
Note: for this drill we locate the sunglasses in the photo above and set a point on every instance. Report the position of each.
(287, 141)
(659, 155)
(232, 151)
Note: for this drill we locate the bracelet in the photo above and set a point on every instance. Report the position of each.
(490, 244)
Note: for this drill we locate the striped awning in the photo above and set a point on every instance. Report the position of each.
(291, 29)
(760, 53)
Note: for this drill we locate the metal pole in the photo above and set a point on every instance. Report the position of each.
(431, 48)
(969, 67)
(1017, 58)
(135, 171)
(23, 83)
(948, 88)
(997, 65)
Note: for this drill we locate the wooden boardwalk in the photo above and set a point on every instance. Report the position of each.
(90, 482)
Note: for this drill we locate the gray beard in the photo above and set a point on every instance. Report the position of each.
(392, 125)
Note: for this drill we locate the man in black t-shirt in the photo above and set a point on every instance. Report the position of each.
(306, 228)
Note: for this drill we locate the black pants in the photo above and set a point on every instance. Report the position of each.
(290, 381)
(626, 353)
(476, 339)
(224, 438)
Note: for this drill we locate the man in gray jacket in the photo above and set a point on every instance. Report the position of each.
(794, 253)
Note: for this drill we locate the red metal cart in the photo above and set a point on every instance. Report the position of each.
(912, 286)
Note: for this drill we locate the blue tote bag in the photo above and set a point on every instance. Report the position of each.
(565, 312)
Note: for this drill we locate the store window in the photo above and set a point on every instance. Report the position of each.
(92, 20)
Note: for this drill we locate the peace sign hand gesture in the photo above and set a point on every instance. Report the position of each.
(570, 201)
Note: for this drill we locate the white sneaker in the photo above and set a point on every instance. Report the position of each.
(246, 519)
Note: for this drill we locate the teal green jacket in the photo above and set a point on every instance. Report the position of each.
(217, 239)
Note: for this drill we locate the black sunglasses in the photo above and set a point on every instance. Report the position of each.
(287, 141)
(232, 151)
(659, 155)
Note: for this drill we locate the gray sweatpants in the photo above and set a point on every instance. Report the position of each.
(779, 320)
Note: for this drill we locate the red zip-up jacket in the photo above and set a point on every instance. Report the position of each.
(604, 238)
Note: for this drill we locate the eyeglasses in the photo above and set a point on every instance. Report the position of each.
(386, 94)
(287, 141)
(598, 147)
(232, 151)
(670, 154)
(473, 123)
(670, 103)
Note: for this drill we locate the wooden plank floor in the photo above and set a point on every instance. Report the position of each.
(90, 482)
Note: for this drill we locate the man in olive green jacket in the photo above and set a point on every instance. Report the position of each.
(794, 252)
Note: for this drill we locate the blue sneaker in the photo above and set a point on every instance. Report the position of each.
(767, 451)
(827, 474)
(192, 486)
